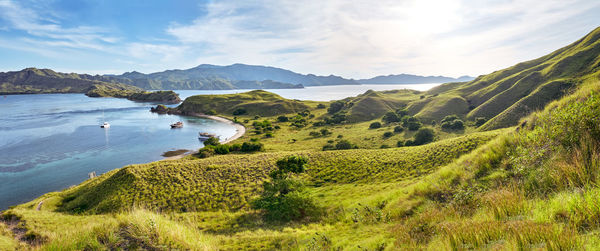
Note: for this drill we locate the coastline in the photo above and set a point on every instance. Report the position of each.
(240, 130)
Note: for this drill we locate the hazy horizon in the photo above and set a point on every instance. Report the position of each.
(352, 39)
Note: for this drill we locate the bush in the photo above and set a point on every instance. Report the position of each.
(384, 146)
(398, 129)
(314, 134)
(282, 199)
(454, 125)
(402, 112)
(335, 119)
(283, 119)
(321, 106)
(375, 125)
(222, 149)
(212, 141)
(424, 136)
(388, 134)
(206, 152)
(449, 118)
(409, 143)
(211, 112)
(252, 147)
(235, 148)
(240, 111)
(344, 144)
(411, 123)
(390, 117)
(269, 135)
(400, 143)
(479, 121)
(325, 132)
(335, 107)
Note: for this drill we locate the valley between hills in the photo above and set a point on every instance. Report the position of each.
(509, 160)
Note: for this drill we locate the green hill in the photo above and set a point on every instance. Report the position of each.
(256, 102)
(36, 81)
(507, 95)
(33, 81)
(533, 186)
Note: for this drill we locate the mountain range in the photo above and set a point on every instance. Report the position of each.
(237, 76)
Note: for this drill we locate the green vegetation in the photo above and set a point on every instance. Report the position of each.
(251, 103)
(282, 198)
(532, 186)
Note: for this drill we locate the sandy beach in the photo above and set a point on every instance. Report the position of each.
(239, 132)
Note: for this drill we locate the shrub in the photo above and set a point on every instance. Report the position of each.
(222, 149)
(400, 143)
(411, 123)
(211, 112)
(282, 199)
(269, 135)
(409, 143)
(212, 141)
(314, 134)
(235, 148)
(344, 144)
(449, 118)
(479, 121)
(206, 152)
(282, 119)
(398, 129)
(390, 117)
(325, 132)
(456, 124)
(384, 146)
(321, 106)
(240, 111)
(252, 147)
(424, 136)
(402, 112)
(335, 119)
(335, 107)
(375, 125)
(388, 134)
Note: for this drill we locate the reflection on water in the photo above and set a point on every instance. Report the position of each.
(51, 141)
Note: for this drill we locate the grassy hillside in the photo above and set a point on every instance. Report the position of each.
(505, 96)
(257, 102)
(529, 187)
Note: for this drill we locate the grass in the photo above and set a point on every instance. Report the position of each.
(533, 186)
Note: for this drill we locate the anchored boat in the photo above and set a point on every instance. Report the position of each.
(179, 124)
(205, 136)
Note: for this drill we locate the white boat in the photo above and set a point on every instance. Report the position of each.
(105, 125)
(179, 124)
(205, 136)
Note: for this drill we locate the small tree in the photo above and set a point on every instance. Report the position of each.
(390, 117)
(344, 144)
(282, 199)
(375, 125)
(424, 136)
(398, 129)
(388, 134)
(212, 141)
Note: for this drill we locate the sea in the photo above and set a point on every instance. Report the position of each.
(49, 142)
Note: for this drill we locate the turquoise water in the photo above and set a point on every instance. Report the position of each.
(49, 142)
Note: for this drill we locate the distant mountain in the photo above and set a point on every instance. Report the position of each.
(237, 76)
(36, 81)
(241, 76)
(412, 79)
(33, 81)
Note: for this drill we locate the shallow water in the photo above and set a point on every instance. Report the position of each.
(52, 141)
(49, 142)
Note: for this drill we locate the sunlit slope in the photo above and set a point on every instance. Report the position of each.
(507, 95)
(256, 102)
(230, 181)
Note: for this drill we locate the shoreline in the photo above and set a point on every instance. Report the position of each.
(240, 130)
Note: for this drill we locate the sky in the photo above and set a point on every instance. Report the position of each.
(349, 38)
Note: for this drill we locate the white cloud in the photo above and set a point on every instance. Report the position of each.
(352, 38)
(364, 38)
